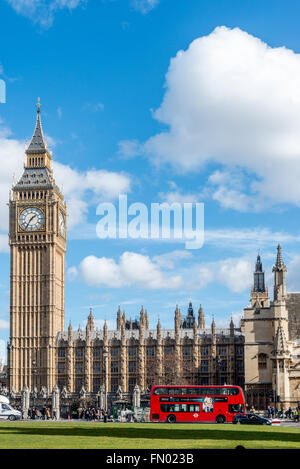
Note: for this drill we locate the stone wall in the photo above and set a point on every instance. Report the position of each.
(293, 307)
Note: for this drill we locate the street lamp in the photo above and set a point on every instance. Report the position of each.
(218, 363)
(34, 372)
(105, 355)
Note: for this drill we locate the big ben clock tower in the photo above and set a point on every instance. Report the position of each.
(37, 239)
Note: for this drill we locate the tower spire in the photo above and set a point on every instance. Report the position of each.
(279, 270)
(38, 155)
(38, 143)
(259, 276)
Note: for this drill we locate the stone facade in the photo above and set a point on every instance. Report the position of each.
(272, 342)
(143, 357)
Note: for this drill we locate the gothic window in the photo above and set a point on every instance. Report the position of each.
(79, 352)
(61, 382)
(61, 353)
(132, 352)
(114, 384)
(168, 350)
(61, 368)
(114, 367)
(132, 367)
(78, 384)
(223, 365)
(240, 365)
(96, 367)
(186, 366)
(96, 352)
(204, 351)
(150, 352)
(78, 368)
(239, 350)
(262, 360)
(186, 351)
(223, 351)
(204, 381)
(96, 384)
(114, 352)
(204, 366)
(131, 383)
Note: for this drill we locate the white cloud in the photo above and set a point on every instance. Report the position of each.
(133, 269)
(4, 324)
(248, 238)
(95, 107)
(129, 149)
(177, 196)
(43, 11)
(170, 259)
(233, 100)
(225, 322)
(2, 350)
(139, 271)
(144, 6)
(77, 185)
(235, 274)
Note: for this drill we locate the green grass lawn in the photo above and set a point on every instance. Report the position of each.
(49, 435)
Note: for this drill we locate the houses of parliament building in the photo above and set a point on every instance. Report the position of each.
(262, 354)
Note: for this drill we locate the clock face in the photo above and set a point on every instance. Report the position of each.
(31, 219)
(61, 223)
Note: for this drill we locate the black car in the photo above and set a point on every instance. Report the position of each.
(251, 419)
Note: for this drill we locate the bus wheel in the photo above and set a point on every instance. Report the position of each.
(171, 418)
(220, 419)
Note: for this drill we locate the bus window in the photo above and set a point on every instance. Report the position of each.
(160, 391)
(235, 408)
(224, 391)
(194, 408)
(234, 391)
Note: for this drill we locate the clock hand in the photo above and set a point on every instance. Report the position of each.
(30, 221)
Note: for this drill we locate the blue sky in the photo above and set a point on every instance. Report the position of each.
(125, 111)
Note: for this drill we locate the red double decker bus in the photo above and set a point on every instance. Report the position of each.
(196, 403)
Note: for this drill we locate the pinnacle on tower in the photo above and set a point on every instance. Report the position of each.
(70, 330)
(231, 327)
(279, 262)
(201, 319)
(90, 322)
(280, 343)
(119, 318)
(279, 270)
(38, 143)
